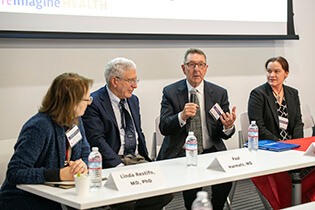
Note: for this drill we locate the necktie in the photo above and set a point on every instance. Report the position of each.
(127, 125)
(195, 122)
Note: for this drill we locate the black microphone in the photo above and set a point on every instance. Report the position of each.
(192, 98)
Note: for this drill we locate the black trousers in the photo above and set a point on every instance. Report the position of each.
(220, 192)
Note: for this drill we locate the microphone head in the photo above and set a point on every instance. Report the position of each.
(193, 96)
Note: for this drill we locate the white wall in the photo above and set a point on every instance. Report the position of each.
(29, 66)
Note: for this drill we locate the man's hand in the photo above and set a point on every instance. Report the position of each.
(190, 110)
(228, 119)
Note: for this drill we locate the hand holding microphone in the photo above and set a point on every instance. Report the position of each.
(193, 99)
(190, 108)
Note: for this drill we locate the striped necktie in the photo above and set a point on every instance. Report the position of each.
(195, 122)
(130, 135)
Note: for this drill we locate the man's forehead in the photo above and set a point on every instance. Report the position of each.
(193, 56)
(130, 73)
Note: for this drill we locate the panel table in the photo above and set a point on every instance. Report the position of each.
(178, 177)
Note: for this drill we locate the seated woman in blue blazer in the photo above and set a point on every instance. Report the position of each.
(274, 106)
(42, 152)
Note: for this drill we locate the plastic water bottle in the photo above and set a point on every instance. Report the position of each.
(253, 136)
(201, 202)
(191, 150)
(95, 169)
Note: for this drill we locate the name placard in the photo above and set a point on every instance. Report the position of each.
(232, 162)
(310, 150)
(134, 179)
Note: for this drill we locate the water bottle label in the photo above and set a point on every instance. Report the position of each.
(95, 160)
(95, 165)
(253, 133)
(191, 146)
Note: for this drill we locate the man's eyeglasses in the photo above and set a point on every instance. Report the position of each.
(90, 99)
(130, 81)
(192, 65)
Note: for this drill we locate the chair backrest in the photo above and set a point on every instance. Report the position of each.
(243, 134)
(157, 140)
(6, 152)
(159, 136)
(307, 118)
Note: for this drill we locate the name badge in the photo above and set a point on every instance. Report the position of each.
(283, 122)
(73, 135)
(216, 111)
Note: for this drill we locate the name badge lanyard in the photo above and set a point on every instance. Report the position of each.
(73, 137)
(68, 154)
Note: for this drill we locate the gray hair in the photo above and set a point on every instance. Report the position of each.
(193, 51)
(117, 68)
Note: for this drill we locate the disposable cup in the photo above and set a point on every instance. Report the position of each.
(82, 184)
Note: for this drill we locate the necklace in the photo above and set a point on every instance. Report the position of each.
(277, 95)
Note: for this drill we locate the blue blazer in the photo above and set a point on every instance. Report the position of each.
(41, 146)
(175, 96)
(102, 130)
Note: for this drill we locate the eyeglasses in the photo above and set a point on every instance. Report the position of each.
(192, 65)
(90, 99)
(130, 81)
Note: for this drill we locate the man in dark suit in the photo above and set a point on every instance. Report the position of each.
(113, 124)
(177, 113)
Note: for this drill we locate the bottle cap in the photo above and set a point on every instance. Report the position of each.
(202, 194)
(190, 133)
(253, 122)
(94, 148)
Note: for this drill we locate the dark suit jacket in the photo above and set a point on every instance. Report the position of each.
(175, 96)
(262, 108)
(102, 130)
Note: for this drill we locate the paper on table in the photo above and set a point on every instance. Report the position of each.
(65, 184)
(62, 184)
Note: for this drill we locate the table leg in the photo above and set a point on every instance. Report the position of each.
(296, 195)
(296, 192)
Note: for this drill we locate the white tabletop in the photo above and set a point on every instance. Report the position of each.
(304, 206)
(178, 177)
